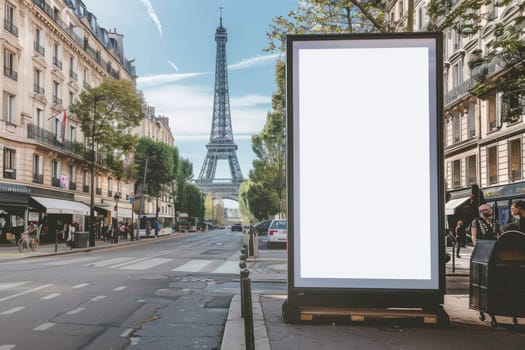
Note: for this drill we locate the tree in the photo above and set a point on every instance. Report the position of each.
(105, 114)
(244, 206)
(269, 168)
(162, 166)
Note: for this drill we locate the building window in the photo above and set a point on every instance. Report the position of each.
(57, 93)
(471, 170)
(420, 18)
(38, 83)
(38, 176)
(492, 161)
(85, 181)
(72, 68)
(57, 60)
(515, 160)
(38, 42)
(9, 65)
(471, 120)
(110, 187)
(9, 163)
(512, 107)
(38, 117)
(456, 127)
(456, 173)
(457, 40)
(9, 19)
(457, 73)
(72, 134)
(9, 114)
(492, 111)
(72, 178)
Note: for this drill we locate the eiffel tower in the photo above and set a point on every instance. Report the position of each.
(221, 145)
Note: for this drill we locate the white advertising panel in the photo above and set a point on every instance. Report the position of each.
(365, 163)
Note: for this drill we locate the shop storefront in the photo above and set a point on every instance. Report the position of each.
(501, 198)
(13, 211)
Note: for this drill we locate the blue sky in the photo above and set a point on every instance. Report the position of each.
(173, 44)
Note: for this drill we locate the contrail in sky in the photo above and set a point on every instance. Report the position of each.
(153, 15)
(253, 61)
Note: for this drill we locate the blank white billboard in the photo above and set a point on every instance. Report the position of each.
(365, 163)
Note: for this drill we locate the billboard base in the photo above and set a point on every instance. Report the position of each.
(329, 307)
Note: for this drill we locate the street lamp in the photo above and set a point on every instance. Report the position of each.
(92, 201)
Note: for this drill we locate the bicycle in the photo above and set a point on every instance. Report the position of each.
(27, 241)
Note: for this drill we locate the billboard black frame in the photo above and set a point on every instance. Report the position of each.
(427, 299)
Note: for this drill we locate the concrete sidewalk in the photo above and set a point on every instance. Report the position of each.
(10, 251)
(465, 330)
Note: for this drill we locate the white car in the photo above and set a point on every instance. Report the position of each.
(278, 232)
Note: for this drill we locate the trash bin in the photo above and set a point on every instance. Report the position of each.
(81, 239)
(497, 277)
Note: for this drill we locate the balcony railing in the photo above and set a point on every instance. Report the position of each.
(110, 193)
(39, 48)
(57, 62)
(10, 27)
(38, 178)
(85, 188)
(458, 92)
(55, 182)
(10, 73)
(516, 175)
(10, 174)
(86, 85)
(38, 89)
(73, 186)
(98, 191)
(493, 179)
(49, 138)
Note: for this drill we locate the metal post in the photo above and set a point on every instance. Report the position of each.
(142, 196)
(92, 201)
(248, 314)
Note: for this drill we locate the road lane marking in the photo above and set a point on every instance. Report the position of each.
(104, 263)
(144, 265)
(126, 332)
(228, 267)
(50, 296)
(25, 292)
(11, 285)
(134, 340)
(193, 266)
(68, 262)
(44, 326)
(98, 297)
(13, 310)
(128, 262)
(75, 311)
(7, 347)
(118, 289)
(81, 285)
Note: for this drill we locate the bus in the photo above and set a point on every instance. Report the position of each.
(147, 225)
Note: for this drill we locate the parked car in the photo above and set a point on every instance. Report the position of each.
(236, 227)
(262, 227)
(278, 232)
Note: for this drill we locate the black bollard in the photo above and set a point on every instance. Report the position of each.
(244, 274)
(248, 315)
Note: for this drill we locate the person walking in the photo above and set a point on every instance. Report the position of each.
(482, 226)
(157, 228)
(514, 219)
(461, 236)
(518, 224)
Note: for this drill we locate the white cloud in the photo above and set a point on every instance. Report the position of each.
(173, 66)
(153, 15)
(190, 110)
(253, 61)
(154, 80)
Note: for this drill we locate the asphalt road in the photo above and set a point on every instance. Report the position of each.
(167, 294)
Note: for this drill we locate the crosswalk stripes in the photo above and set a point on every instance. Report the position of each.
(129, 263)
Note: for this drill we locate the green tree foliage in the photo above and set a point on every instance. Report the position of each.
(162, 165)
(269, 168)
(106, 113)
(244, 205)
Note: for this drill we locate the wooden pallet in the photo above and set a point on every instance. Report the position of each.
(363, 314)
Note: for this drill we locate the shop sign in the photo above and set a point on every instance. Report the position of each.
(14, 188)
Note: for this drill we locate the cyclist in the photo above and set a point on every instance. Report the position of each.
(27, 241)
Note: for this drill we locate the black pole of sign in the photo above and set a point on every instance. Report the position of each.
(142, 196)
(56, 242)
